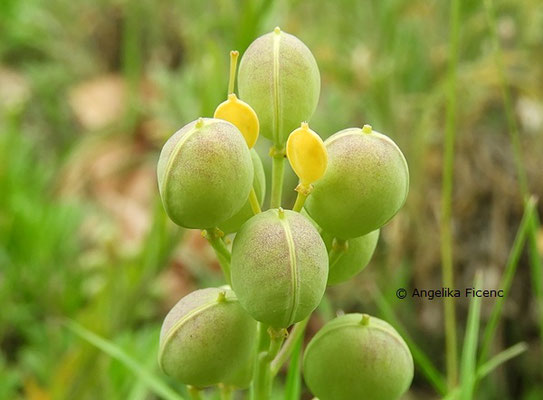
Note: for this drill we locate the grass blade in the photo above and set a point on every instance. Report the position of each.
(293, 386)
(471, 338)
(154, 383)
(492, 364)
(507, 278)
(501, 358)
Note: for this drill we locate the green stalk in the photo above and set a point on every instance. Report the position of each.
(263, 340)
(469, 352)
(300, 201)
(293, 384)
(446, 201)
(263, 381)
(278, 171)
(507, 279)
(514, 135)
(303, 191)
(289, 346)
(214, 237)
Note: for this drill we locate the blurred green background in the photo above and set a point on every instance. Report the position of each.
(91, 89)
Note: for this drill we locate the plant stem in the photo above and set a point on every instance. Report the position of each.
(262, 344)
(339, 247)
(264, 379)
(303, 192)
(226, 392)
(253, 200)
(293, 383)
(278, 170)
(468, 363)
(300, 200)
(284, 354)
(446, 201)
(214, 237)
(194, 393)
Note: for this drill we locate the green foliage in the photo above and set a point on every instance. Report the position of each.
(62, 251)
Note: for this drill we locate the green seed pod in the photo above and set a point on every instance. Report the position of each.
(207, 338)
(279, 267)
(365, 184)
(356, 356)
(205, 173)
(354, 259)
(259, 183)
(279, 77)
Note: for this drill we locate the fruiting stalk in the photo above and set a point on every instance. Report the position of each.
(264, 378)
(287, 349)
(278, 170)
(214, 237)
(303, 192)
(261, 346)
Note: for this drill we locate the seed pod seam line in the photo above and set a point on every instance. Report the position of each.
(277, 120)
(187, 317)
(173, 157)
(295, 284)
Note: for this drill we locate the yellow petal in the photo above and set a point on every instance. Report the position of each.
(242, 116)
(306, 154)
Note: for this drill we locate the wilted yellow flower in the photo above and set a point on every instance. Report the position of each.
(306, 154)
(241, 115)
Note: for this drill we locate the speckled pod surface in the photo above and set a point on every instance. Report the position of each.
(279, 77)
(279, 267)
(207, 338)
(365, 184)
(354, 259)
(205, 173)
(357, 357)
(259, 183)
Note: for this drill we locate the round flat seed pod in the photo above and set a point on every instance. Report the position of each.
(364, 186)
(207, 338)
(279, 267)
(205, 173)
(279, 77)
(356, 356)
